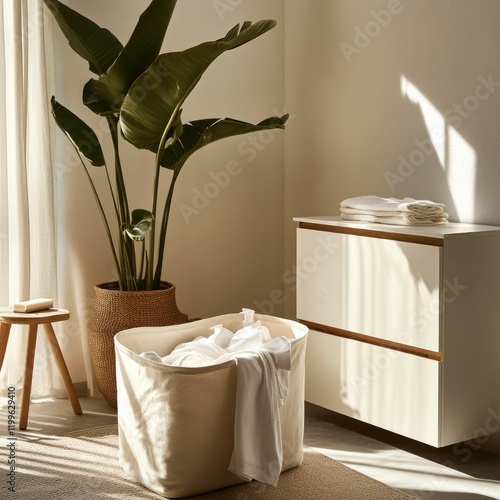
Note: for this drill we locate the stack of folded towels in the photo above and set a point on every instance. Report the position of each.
(405, 212)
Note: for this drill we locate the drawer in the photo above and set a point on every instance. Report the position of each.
(382, 288)
(392, 390)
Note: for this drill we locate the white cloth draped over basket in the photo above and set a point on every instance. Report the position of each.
(177, 423)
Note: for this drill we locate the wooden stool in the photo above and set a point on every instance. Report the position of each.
(45, 318)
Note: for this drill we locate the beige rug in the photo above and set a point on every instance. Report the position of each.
(84, 465)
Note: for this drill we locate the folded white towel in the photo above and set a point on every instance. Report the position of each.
(391, 213)
(392, 204)
(406, 211)
(400, 220)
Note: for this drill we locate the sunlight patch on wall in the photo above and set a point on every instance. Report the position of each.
(434, 120)
(461, 174)
(457, 157)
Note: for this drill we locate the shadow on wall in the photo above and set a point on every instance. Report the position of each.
(449, 77)
(404, 101)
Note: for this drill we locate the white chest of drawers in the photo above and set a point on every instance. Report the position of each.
(405, 325)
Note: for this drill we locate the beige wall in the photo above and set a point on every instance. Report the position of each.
(392, 98)
(409, 109)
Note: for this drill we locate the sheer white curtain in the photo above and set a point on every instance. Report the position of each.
(27, 213)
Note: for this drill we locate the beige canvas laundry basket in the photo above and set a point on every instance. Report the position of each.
(176, 424)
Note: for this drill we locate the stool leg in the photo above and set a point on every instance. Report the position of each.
(28, 376)
(63, 369)
(4, 338)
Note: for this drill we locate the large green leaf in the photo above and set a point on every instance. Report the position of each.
(79, 133)
(96, 45)
(200, 133)
(96, 96)
(137, 55)
(146, 112)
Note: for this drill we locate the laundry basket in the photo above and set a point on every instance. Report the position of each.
(176, 424)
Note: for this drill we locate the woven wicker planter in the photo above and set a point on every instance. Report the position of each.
(116, 310)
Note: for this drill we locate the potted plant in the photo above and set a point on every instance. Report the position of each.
(140, 93)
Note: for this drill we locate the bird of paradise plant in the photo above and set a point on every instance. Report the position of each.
(140, 93)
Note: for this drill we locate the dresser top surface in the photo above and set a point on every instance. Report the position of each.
(444, 231)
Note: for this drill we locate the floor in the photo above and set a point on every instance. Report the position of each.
(452, 473)
(460, 472)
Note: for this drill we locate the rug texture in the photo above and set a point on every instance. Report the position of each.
(84, 465)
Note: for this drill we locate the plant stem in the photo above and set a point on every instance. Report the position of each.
(100, 207)
(126, 246)
(120, 184)
(141, 278)
(159, 154)
(111, 190)
(164, 225)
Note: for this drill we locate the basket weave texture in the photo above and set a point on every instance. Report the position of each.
(116, 310)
